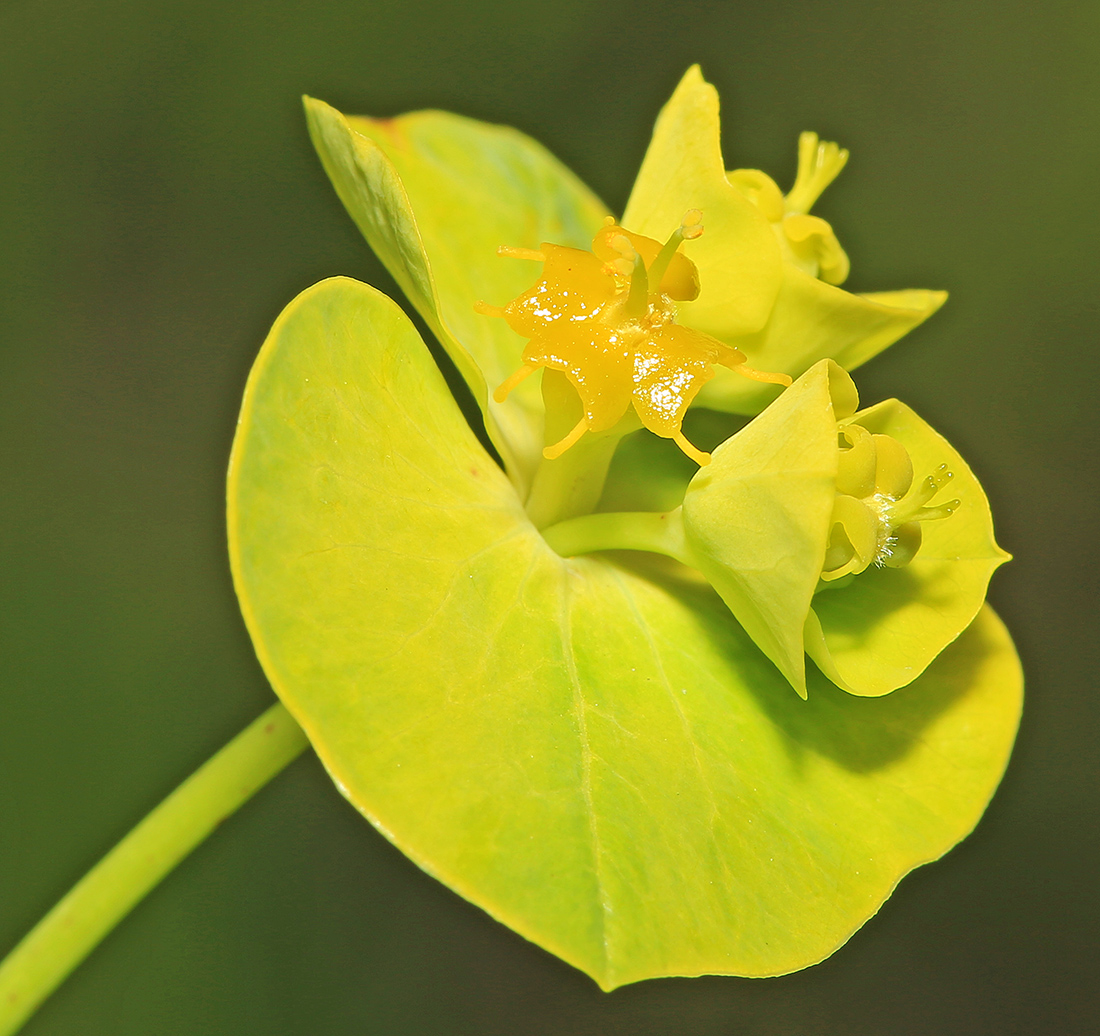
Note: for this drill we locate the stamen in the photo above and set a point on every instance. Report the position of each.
(700, 458)
(690, 228)
(522, 253)
(506, 386)
(487, 310)
(819, 163)
(555, 451)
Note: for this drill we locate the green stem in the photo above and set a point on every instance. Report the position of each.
(572, 483)
(627, 530)
(72, 929)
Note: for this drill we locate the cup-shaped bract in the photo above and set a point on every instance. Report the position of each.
(811, 528)
(757, 518)
(435, 194)
(881, 630)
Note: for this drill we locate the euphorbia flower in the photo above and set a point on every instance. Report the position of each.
(607, 320)
(592, 749)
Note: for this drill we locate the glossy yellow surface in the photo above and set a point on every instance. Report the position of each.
(606, 318)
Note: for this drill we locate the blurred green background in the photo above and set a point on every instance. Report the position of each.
(159, 204)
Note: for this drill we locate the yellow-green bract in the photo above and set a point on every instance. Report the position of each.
(758, 520)
(593, 752)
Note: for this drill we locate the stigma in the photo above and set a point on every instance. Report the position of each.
(606, 318)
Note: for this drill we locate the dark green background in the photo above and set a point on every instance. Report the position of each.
(160, 204)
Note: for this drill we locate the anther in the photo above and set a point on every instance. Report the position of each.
(621, 244)
(628, 257)
(691, 226)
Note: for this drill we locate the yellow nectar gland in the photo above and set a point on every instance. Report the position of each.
(606, 318)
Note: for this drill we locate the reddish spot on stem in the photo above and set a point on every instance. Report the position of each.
(270, 728)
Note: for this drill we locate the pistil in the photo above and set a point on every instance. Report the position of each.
(819, 164)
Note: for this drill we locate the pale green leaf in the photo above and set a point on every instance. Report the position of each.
(435, 194)
(603, 762)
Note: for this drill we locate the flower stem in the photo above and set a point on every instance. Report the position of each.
(69, 932)
(627, 530)
(572, 483)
